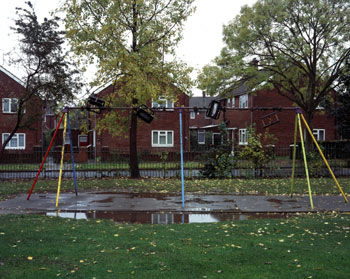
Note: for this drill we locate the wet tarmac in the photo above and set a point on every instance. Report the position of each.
(166, 208)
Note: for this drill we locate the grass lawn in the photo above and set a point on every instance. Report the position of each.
(239, 186)
(311, 246)
(102, 166)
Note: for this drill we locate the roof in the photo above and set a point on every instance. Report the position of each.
(242, 89)
(201, 102)
(6, 72)
(103, 87)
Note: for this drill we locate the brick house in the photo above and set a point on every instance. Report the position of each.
(26, 140)
(279, 123)
(161, 135)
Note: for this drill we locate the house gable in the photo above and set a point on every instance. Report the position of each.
(11, 90)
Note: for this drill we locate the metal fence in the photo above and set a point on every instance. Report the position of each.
(91, 163)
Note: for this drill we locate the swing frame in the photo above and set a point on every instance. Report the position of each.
(298, 125)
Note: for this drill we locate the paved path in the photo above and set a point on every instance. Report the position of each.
(146, 202)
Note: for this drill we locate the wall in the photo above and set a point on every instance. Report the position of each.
(9, 88)
(163, 120)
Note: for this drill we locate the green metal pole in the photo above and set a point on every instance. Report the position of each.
(294, 153)
(305, 161)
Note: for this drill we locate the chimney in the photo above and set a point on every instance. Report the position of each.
(255, 62)
(203, 94)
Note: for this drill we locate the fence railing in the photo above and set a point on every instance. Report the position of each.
(92, 163)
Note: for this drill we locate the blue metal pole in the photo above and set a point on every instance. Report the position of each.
(182, 162)
(72, 154)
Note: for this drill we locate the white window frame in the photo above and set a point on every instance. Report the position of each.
(67, 139)
(15, 137)
(163, 102)
(162, 218)
(233, 102)
(192, 115)
(10, 100)
(316, 133)
(243, 101)
(201, 131)
(162, 133)
(82, 137)
(242, 137)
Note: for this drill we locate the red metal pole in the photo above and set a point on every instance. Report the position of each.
(47, 153)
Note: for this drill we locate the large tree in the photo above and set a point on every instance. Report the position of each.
(298, 47)
(131, 42)
(340, 109)
(48, 77)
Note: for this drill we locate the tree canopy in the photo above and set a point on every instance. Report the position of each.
(48, 75)
(340, 109)
(300, 45)
(132, 43)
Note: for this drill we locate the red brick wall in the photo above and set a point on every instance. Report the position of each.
(168, 120)
(10, 88)
(284, 130)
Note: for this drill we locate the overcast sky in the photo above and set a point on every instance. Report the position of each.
(202, 36)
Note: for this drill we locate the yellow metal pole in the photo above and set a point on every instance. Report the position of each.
(62, 157)
(294, 153)
(324, 158)
(305, 161)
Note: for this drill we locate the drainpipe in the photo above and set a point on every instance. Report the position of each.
(251, 113)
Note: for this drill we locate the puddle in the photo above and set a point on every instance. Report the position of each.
(166, 217)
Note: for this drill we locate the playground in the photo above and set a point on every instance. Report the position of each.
(293, 233)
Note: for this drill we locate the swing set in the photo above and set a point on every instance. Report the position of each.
(213, 111)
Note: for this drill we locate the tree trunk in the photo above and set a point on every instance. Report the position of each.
(308, 139)
(7, 141)
(18, 121)
(134, 164)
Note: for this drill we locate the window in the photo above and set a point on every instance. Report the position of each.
(201, 137)
(231, 102)
(163, 103)
(9, 105)
(242, 136)
(243, 101)
(162, 138)
(67, 139)
(319, 134)
(162, 218)
(192, 115)
(18, 141)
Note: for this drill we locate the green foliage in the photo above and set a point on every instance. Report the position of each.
(261, 186)
(219, 160)
(315, 162)
(50, 78)
(258, 152)
(49, 73)
(128, 41)
(301, 47)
